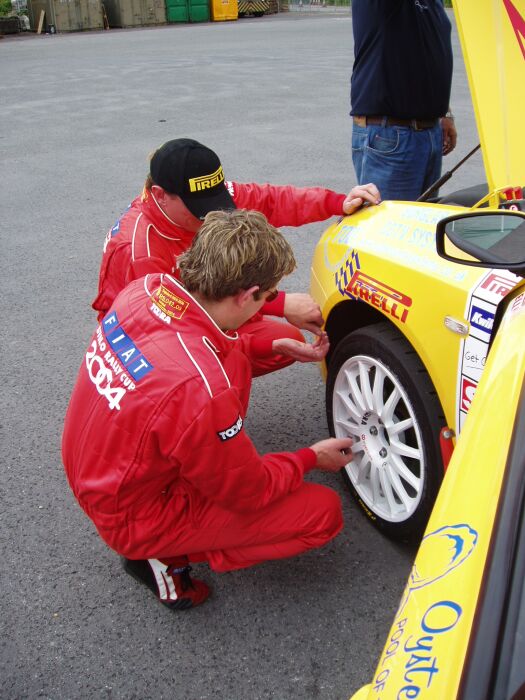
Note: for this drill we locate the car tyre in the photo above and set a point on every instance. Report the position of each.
(379, 393)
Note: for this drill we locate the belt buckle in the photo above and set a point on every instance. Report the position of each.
(415, 125)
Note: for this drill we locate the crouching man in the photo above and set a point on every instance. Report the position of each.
(154, 444)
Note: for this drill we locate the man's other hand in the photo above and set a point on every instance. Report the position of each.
(360, 195)
(450, 135)
(302, 352)
(303, 312)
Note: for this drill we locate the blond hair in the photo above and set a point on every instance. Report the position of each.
(235, 250)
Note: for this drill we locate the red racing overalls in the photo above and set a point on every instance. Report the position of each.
(155, 449)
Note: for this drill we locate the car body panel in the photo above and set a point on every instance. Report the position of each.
(386, 257)
(425, 650)
(492, 34)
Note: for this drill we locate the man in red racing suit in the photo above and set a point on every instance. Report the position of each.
(160, 225)
(154, 445)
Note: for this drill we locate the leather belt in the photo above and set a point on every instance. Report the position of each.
(416, 124)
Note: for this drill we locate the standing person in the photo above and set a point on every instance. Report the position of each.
(186, 181)
(400, 93)
(154, 444)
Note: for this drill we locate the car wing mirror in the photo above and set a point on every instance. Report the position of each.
(484, 239)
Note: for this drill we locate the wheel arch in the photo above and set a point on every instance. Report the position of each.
(348, 316)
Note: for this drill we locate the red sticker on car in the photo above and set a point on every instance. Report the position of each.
(468, 389)
(380, 295)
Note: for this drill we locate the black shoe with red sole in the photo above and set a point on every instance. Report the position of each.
(173, 587)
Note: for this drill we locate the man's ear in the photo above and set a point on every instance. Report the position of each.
(246, 295)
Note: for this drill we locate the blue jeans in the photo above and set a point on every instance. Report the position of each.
(401, 161)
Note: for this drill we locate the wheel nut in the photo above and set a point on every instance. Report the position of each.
(373, 430)
(383, 452)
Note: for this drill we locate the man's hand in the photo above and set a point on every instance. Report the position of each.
(359, 195)
(301, 311)
(302, 352)
(450, 135)
(333, 454)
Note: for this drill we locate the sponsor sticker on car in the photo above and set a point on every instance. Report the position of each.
(382, 296)
(481, 308)
(481, 321)
(474, 358)
(409, 663)
(356, 284)
(497, 285)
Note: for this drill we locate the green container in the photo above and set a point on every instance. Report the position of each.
(199, 10)
(177, 11)
(187, 11)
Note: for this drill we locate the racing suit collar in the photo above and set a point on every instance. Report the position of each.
(164, 289)
(164, 225)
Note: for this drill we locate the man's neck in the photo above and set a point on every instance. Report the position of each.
(220, 311)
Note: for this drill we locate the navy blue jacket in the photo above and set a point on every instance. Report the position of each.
(403, 59)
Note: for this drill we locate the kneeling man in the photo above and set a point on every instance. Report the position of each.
(154, 444)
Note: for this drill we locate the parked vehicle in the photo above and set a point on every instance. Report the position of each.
(257, 8)
(410, 330)
(459, 632)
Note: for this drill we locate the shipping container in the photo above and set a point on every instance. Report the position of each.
(135, 13)
(67, 15)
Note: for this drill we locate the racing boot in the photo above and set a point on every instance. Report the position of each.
(171, 582)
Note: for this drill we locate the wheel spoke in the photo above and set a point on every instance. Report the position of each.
(366, 389)
(356, 391)
(374, 483)
(363, 469)
(397, 485)
(387, 413)
(379, 383)
(405, 450)
(400, 426)
(349, 405)
(406, 474)
(358, 446)
(349, 428)
(386, 485)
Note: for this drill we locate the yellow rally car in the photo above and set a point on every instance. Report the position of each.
(410, 330)
(459, 632)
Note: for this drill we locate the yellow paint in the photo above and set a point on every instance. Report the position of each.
(395, 244)
(492, 34)
(437, 608)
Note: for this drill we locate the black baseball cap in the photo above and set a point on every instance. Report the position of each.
(194, 173)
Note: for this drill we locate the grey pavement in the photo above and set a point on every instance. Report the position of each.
(79, 114)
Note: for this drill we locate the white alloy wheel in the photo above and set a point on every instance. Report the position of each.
(370, 405)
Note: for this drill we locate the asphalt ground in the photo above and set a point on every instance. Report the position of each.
(79, 114)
